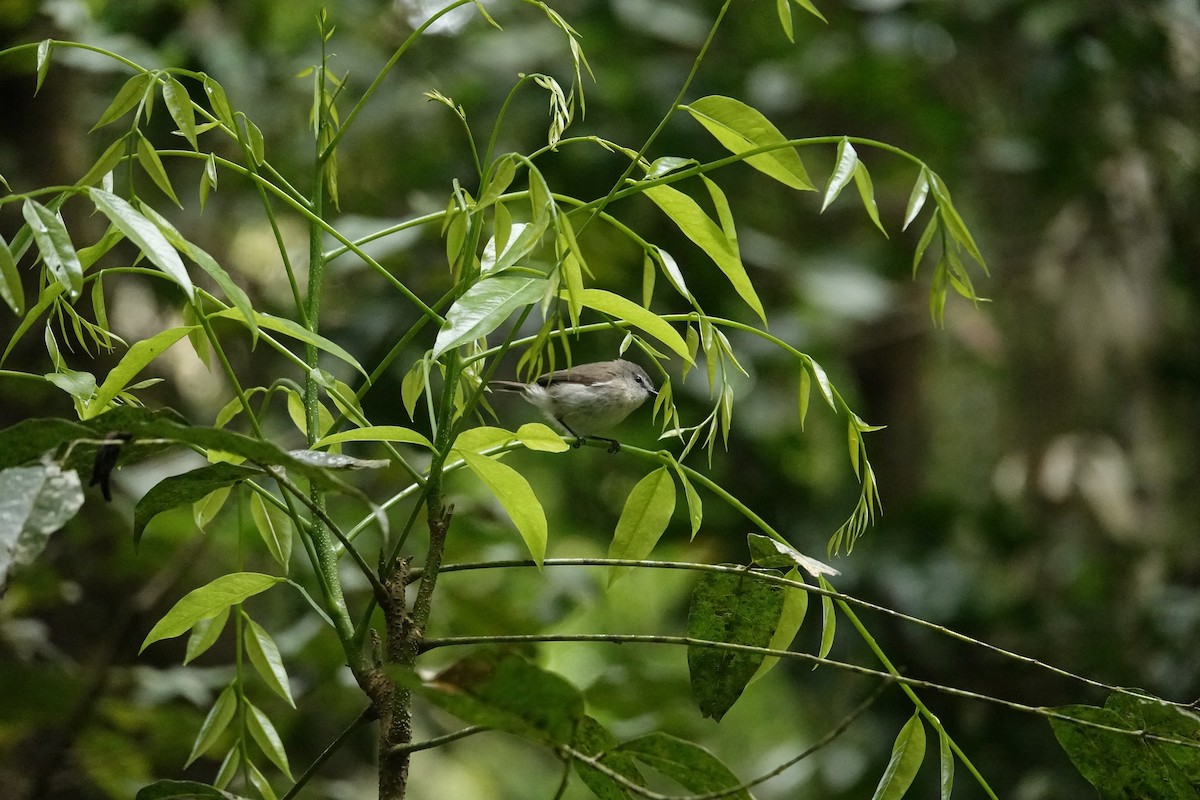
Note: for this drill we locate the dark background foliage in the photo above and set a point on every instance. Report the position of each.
(1039, 468)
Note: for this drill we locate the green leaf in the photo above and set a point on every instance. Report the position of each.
(916, 200)
(54, 243)
(828, 620)
(541, 437)
(253, 138)
(484, 307)
(29, 438)
(593, 739)
(784, 9)
(926, 239)
(179, 106)
(688, 764)
(105, 164)
(264, 655)
(204, 635)
(134, 361)
(235, 293)
(376, 433)
(183, 790)
(822, 382)
(795, 606)
(516, 496)
(954, 223)
(412, 387)
(866, 191)
(218, 101)
(34, 503)
(1129, 765)
(947, 765)
(126, 99)
(10, 280)
(647, 511)
(812, 9)
(805, 395)
(152, 164)
(502, 690)
(695, 505)
(907, 754)
(260, 783)
(769, 552)
(275, 528)
(847, 160)
(267, 737)
(208, 601)
(292, 329)
(739, 128)
(503, 172)
(733, 608)
(146, 235)
(218, 719)
(704, 233)
(43, 63)
(621, 308)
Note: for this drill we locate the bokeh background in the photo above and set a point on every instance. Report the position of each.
(1038, 469)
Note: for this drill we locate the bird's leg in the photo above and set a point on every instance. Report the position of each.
(578, 439)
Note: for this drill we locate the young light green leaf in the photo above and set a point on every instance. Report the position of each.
(739, 128)
(541, 437)
(377, 433)
(805, 395)
(954, 223)
(784, 9)
(484, 307)
(907, 754)
(43, 63)
(105, 164)
(204, 635)
(225, 773)
(264, 655)
(866, 191)
(134, 361)
(218, 101)
(822, 381)
(126, 99)
(916, 200)
(54, 244)
(828, 619)
(146, 235)
(624, 309)
(264, 733)
(732, 608)
(795, 606)
(275, 528)
(260, 783)
(482, 438)
(947, 764)
(695, 505)
(926, 239)
(812, 9)
(847, 160)
(412, 387)
(152, 164)
(704, 233)
(516, 496)
(215, 723)
(253, 138)
(504, 171)
(647, 511)
(208, 601)
(179, 106)
(688, 764)
(10, 280)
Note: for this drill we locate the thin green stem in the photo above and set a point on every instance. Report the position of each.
(438, 741)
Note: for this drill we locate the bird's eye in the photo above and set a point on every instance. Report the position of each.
(637, 379)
